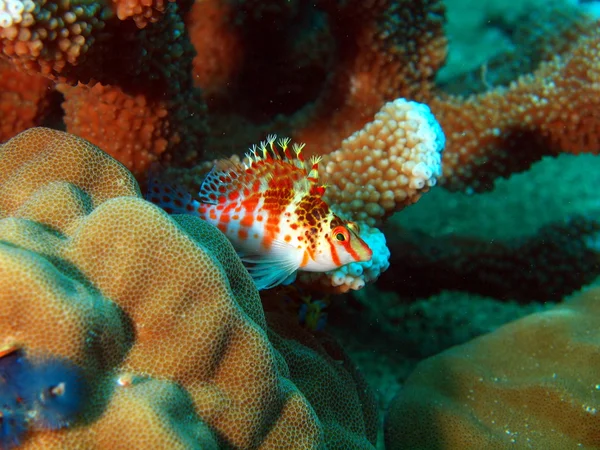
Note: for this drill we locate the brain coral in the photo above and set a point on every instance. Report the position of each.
(530, 384)
(158, 311)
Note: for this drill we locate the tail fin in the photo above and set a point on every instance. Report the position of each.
(173, 199)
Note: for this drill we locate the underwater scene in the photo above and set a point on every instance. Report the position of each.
(299, 224)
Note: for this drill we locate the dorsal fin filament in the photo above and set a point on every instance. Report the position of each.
(313, 175)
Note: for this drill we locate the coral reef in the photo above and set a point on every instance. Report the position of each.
(114, 75)
(157, 311)
(373, 53)
(529, 384)
(180, 83)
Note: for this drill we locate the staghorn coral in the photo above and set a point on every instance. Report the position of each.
(157, 311)
(529, 384)
(134, 130)
(386, 165)
(550, 111)
(384, 50)
(81, 44)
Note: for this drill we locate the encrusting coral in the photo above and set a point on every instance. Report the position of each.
(530, 384)
(157, 311)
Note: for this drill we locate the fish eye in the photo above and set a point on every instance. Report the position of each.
(341, 234)
(354, 227)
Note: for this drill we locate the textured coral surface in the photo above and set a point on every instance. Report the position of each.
(530, 384)
(158, 311)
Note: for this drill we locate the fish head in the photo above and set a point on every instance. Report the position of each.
(344, 244)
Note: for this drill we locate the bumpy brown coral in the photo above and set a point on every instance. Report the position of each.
(133, 129)
(47, 36)
(507, 129)
(387, 165)
(530, 384)
(23, 100)
(159, 311)
(218, 45)
(141, 11)
(386, 50)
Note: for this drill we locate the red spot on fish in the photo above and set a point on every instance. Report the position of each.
(247, 220)
(242, 234)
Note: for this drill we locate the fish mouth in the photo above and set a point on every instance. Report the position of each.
(362, 250)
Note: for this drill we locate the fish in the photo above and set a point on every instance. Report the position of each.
(271, 208)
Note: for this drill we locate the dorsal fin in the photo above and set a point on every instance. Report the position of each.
(270, 164)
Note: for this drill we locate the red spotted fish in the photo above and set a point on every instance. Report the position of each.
(272, 210)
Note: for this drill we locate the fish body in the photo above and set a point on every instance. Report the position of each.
(273, 212)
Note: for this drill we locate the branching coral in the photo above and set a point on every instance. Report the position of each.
(158, 311)
(50, 38)
(385, 50)
(133, 129)
(386, 165)
(85, 43)
(24, 100)
(550, 111)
